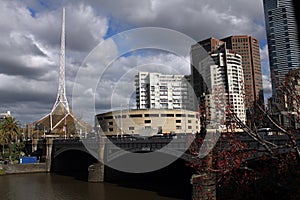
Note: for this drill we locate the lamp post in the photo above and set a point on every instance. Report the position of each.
(185, 118)
(121, 120)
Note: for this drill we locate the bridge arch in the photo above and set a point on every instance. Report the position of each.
(74, 148)
(172, 180)
(72, 162)
(172, 152)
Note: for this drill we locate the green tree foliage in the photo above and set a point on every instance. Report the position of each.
(10, 129)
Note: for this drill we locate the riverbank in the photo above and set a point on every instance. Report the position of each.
(22, 168)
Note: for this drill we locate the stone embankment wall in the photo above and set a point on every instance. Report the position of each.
(23, 168)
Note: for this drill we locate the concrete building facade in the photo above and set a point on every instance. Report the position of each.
(163, 91)
(148, 121)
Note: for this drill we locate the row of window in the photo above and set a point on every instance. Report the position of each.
(148, 115)
(148, 121)
(132, 128)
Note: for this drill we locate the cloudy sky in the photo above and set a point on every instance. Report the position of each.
(101, 59)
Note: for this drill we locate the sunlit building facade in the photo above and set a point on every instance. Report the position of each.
(148, 122)
(248, 47)
(163, 91)
(221, 83)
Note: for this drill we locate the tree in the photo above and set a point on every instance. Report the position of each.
(10, 129)
(285, 106)
(228, 160)
(2, 141)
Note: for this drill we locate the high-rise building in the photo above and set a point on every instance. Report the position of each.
(248, 47)
(198, 53)
(224, 81)
(163, 91)
(283, 39)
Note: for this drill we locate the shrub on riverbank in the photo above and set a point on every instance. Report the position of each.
(2, 171)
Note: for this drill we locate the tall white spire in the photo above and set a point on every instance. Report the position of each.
(61, 119)
(61, 94)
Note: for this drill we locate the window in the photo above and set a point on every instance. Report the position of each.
(131, 128)
(189, 121)
(178, 127)
(108, 117)
(167, 115)
(178, 121)
(147, 121)
(110, 123)
(189, 127)
(151, 115)
(111, 129)
(136, 115)
(119, 116)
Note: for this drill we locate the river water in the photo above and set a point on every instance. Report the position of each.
(43, 186)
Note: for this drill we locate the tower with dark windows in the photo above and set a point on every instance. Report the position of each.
(283, 39)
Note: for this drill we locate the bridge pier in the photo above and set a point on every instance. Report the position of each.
(204, 186)
(49, 145)
(96, 170)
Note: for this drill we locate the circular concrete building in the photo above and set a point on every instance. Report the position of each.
(148, 122)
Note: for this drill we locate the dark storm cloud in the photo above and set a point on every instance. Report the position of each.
(29, 53)
(14, 67)
(21, 96)
(28, 79)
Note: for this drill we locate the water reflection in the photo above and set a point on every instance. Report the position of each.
(58, 187)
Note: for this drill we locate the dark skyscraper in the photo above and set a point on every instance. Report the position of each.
(283, 39)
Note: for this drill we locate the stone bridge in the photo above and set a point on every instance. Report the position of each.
(61, 154)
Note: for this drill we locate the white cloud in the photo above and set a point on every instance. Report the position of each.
(264, 54)
(118, 83)
(29, 46)
(29, 53)
(199, 19)
(267, 86)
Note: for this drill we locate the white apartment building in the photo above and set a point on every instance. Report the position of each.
(4, 115)
(226, 87)
(164, 91)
